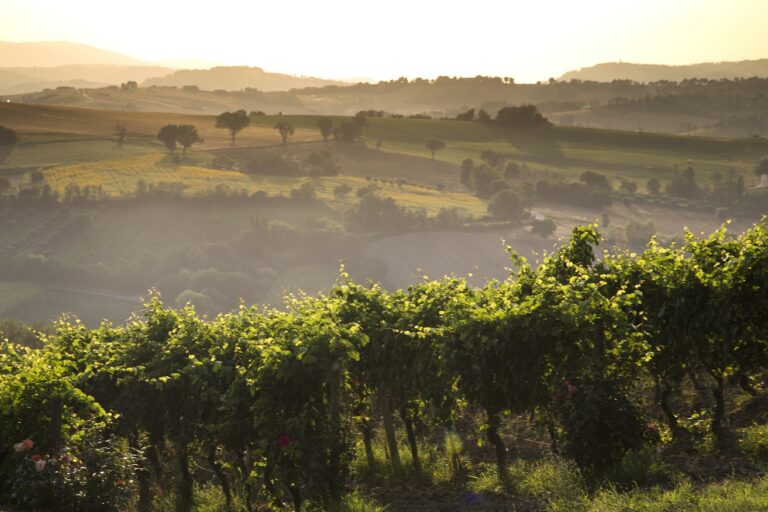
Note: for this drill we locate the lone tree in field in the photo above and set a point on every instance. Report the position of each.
(434, 145)
(285, 129)
(168, 135)
(326, 127)
(121, 131)
(8, 140)
(233, 121)
(186, 135)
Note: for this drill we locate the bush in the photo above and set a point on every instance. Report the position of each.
(273, 166)
(577, 194)
(341, 190)
(506, 204)
(595, 180)
(36, 176)
(653, 186)
(304, 192)
(543, 228)
(374, 213)
(321, 164)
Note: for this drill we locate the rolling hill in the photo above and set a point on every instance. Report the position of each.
(236, 78)
(645, 73)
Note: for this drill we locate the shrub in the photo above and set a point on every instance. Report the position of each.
(543, 228)
(653, 186)
(305, 192)
(341, 190)
(36, 176)
(321, 163)
(506, 204)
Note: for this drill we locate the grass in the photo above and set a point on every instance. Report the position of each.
(621, 154)
(119, 178)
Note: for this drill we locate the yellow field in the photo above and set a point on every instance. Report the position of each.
(119, 178)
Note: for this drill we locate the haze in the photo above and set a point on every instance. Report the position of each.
(527, 40)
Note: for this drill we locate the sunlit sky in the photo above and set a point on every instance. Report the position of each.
(529, 40)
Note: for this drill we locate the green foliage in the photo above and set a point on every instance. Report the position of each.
(543, 227)
(507, 204)
(233, 121)
(285, 129)
(434, 145)
(522, 117)
(271, 400)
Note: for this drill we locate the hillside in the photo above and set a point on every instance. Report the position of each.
(59, 53)
(645, 73)
(219, 216)
(733, 108)
(236, 78)
(19, 80)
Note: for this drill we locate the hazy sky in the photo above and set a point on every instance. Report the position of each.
(526, 39)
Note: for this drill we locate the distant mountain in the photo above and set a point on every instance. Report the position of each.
(235, 78)
(18, 80)
(609, 71)
(59, 53)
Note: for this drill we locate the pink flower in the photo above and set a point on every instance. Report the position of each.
(283, 440)
(18, 447)
(28, 444)
(36, 458)
(40, 465)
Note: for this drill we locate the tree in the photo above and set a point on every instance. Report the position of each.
(506, 204)
(8, 140)
(168, 135)
(120, 132)
(483, 116)
(233, 121)
(348, 132)
(653, 186)
(524, 116)
(434, 145)
(187, 135)
(628, 186)
(465, 175)
(326, 127)
(285, 129)
(595, 180)
(469, 115)
(543, 228)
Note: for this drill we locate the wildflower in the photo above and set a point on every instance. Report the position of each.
(40, 465)
(283, 440)
(65, 459)
(18, 447)
(119, 483)
(28, 444)
(36, 458)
